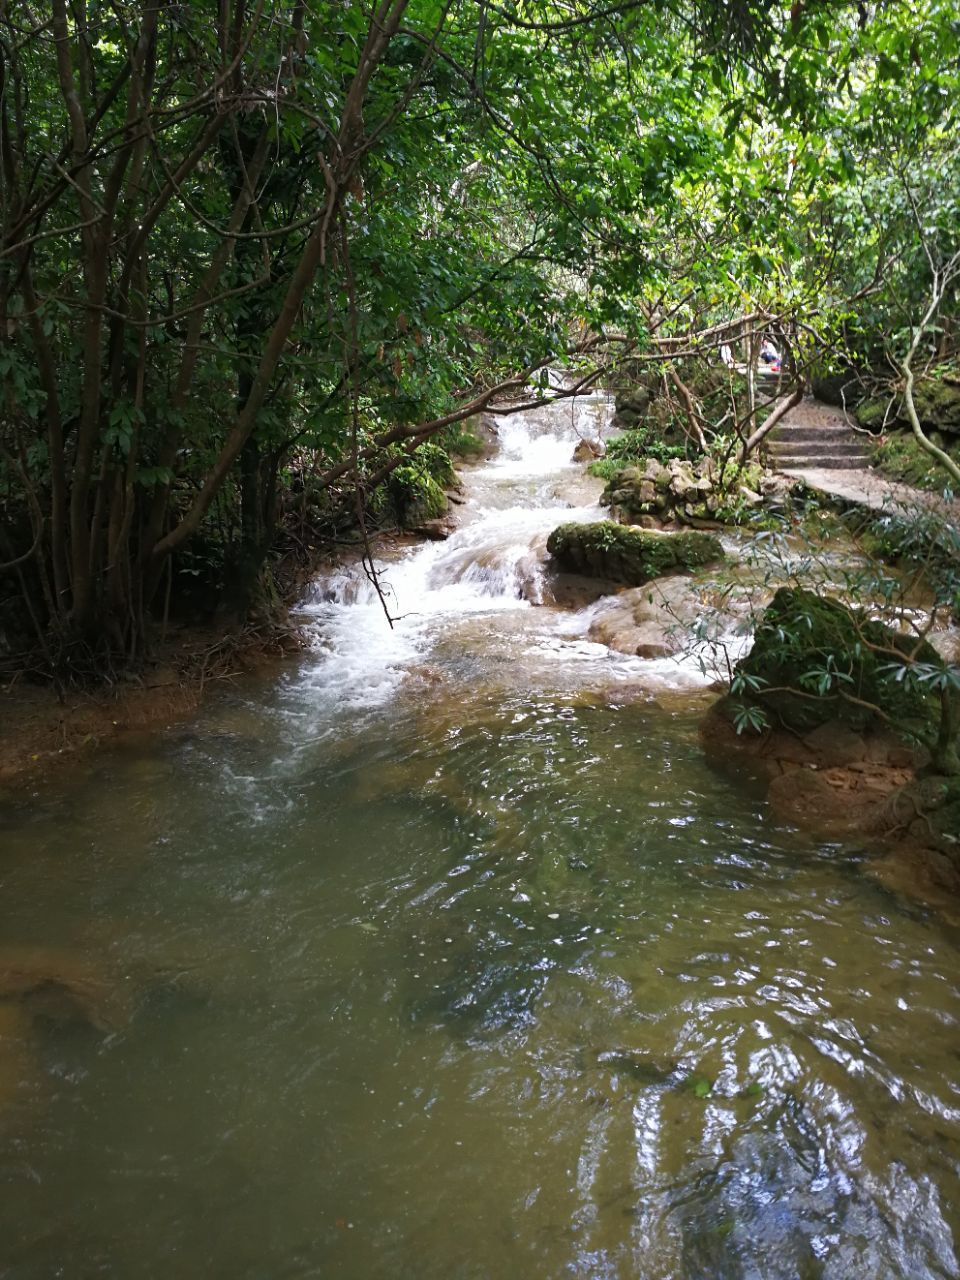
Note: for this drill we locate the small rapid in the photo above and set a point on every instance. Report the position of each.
(488, 581)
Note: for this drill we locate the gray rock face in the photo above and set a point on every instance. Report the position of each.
(653, 495)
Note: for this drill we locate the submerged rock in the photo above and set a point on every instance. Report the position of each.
(67, 984)
(624, 554)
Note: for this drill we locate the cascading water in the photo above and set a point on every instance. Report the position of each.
(486, 582)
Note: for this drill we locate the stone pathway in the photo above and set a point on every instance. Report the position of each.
(855, 482)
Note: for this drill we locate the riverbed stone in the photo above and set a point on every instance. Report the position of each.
(655, 621)
(626, 554)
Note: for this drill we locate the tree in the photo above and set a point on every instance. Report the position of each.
(338, 230)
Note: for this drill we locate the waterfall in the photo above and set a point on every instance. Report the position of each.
(488, 576)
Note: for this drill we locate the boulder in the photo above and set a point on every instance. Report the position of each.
(842, 390)
(937, 401)
(873, 414)
(655, 621)
(633, 404)
(802, 635)
(626, 554)
(938, 405)
(479, 438)
(587, 451)
(436, 530)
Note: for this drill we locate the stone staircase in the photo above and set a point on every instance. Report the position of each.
(832, 446)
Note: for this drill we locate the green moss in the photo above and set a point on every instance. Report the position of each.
(899, 456)
(938, 404)
(814, 660)
(872, 413)
(621, 553)
(466, 445)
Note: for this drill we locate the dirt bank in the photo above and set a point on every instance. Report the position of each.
(38, 728)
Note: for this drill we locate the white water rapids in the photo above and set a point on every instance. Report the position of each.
(474, 605)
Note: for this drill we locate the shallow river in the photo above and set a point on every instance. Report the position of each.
(449, 956)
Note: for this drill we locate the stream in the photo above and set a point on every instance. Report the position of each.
(447, 955)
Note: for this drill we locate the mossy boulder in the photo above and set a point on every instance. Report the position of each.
(633, 404)
(622, 553)
(814, 661)
(938, 405)
(937, 401)
(872, 414)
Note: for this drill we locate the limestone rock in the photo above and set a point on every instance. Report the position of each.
(621, 553)
(800, 635)
(587, 451)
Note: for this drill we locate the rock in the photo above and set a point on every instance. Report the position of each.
(587, 451)
(938, 405)
(479, 439)
(937, 401)
(621, 553)
(842, 390)
(67, 983)
(655, 621)
(437, 530)
(634, 402)
(805, 798)
(872, 414)
(799, 635)
(835, 743)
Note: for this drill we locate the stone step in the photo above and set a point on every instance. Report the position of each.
(826, 462)
(814, 447)
(787, 432)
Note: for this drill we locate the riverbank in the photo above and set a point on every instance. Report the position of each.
(38, 729)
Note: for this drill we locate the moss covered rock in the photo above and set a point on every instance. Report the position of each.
(622, 553)
(873, 414)
(814, 661)
(938, 405)
(937, 401)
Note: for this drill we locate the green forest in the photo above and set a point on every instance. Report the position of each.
(261, 261)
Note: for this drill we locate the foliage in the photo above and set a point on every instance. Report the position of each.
(631, 447)
(253, 252)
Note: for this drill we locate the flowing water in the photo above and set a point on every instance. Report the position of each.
(449, 956)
